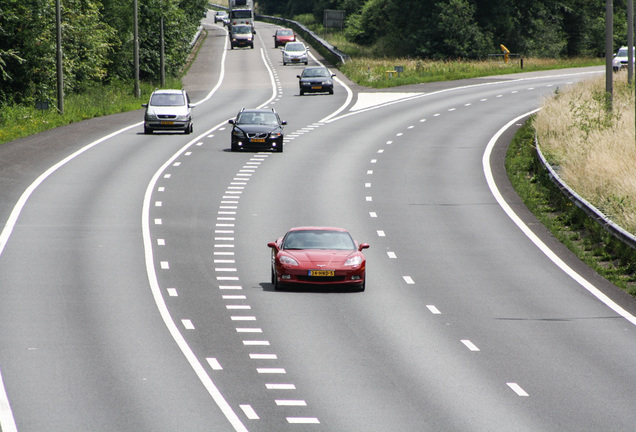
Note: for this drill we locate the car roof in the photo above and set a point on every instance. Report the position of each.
(257, 110)
(168, 91)
(317, 228)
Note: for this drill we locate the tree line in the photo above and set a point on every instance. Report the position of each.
(97, 43)
(451, 29)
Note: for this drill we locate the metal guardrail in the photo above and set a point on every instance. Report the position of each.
(311, 37)
(600, 218)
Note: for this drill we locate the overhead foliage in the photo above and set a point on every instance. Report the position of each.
(97, 43)
(469, 28)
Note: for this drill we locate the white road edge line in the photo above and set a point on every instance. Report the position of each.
(526, 230)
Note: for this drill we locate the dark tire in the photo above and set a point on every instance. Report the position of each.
(147, 131)
(275, 281)
(302, 93)
(362, 287)
(331, 91)
(234, 147)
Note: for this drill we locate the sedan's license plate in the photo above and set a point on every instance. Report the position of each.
(316, 87)
(167, 123)
(257, 140)
(322, 273)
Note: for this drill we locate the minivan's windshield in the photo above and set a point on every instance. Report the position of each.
(163, 99)
(241, 14)
(241, 29)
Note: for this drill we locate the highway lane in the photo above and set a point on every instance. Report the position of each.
(401, 356)
(408, 179)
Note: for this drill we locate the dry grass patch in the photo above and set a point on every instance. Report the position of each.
(594, 147)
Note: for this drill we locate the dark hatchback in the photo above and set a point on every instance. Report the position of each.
(257, 129)
(316, 80)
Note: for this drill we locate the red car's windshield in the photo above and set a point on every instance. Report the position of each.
(318, 239)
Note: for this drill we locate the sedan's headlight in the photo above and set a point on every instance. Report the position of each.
(284, 259)
(328, 82)
(275, 134)
(353, 261)
(238, 133)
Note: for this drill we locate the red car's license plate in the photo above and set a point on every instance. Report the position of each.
(257, 140)
(322, 273)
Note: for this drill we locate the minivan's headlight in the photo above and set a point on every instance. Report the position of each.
(151, 116)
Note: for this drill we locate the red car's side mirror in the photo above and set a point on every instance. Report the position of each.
(363, 246)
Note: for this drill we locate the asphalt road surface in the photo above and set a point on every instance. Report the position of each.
(135, 288)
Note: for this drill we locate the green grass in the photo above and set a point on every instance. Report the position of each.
(611, 258)
(19, 121)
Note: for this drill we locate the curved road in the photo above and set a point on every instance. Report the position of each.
(134, 271)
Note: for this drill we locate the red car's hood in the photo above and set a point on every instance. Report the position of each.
(320, 258)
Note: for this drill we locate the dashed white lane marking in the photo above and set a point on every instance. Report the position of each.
(249, 330)
(303, 420)
(373, 214)
(271, 370)
(409, 280)
(290, 402)
(243, 318)
(256, 343)
(238, 307)
(164, 265)
(172, 292)
(249, 412)
(158, 221)
(381, 233)
(214, 364)
(392, 255)
(471, 346)
(433, 309)
(161, 242)
(187, 324)
(263, 356)
(517, 389)
(271, 386)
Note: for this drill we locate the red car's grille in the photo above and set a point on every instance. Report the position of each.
(332, 279)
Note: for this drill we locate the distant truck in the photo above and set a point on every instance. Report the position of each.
(241, 13)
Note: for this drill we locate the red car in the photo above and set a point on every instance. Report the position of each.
(282, 36)
(318, 256)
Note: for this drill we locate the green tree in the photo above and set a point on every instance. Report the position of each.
(458, 33)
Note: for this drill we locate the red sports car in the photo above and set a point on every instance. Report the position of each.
(318, 256)
(282, 36)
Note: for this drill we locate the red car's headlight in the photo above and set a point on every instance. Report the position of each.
(353, 261)
(284, 259)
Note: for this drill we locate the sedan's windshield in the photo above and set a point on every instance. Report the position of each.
(318, 239)
(314, 73)
(285, 33)
(257, 118)
(294, 47)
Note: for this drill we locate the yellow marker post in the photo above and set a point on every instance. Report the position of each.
(506, 51)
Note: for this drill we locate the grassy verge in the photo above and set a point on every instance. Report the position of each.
(372, 72)
(17, 121)
(592, 244)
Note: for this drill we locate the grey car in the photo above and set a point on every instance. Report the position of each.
(168, 110)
